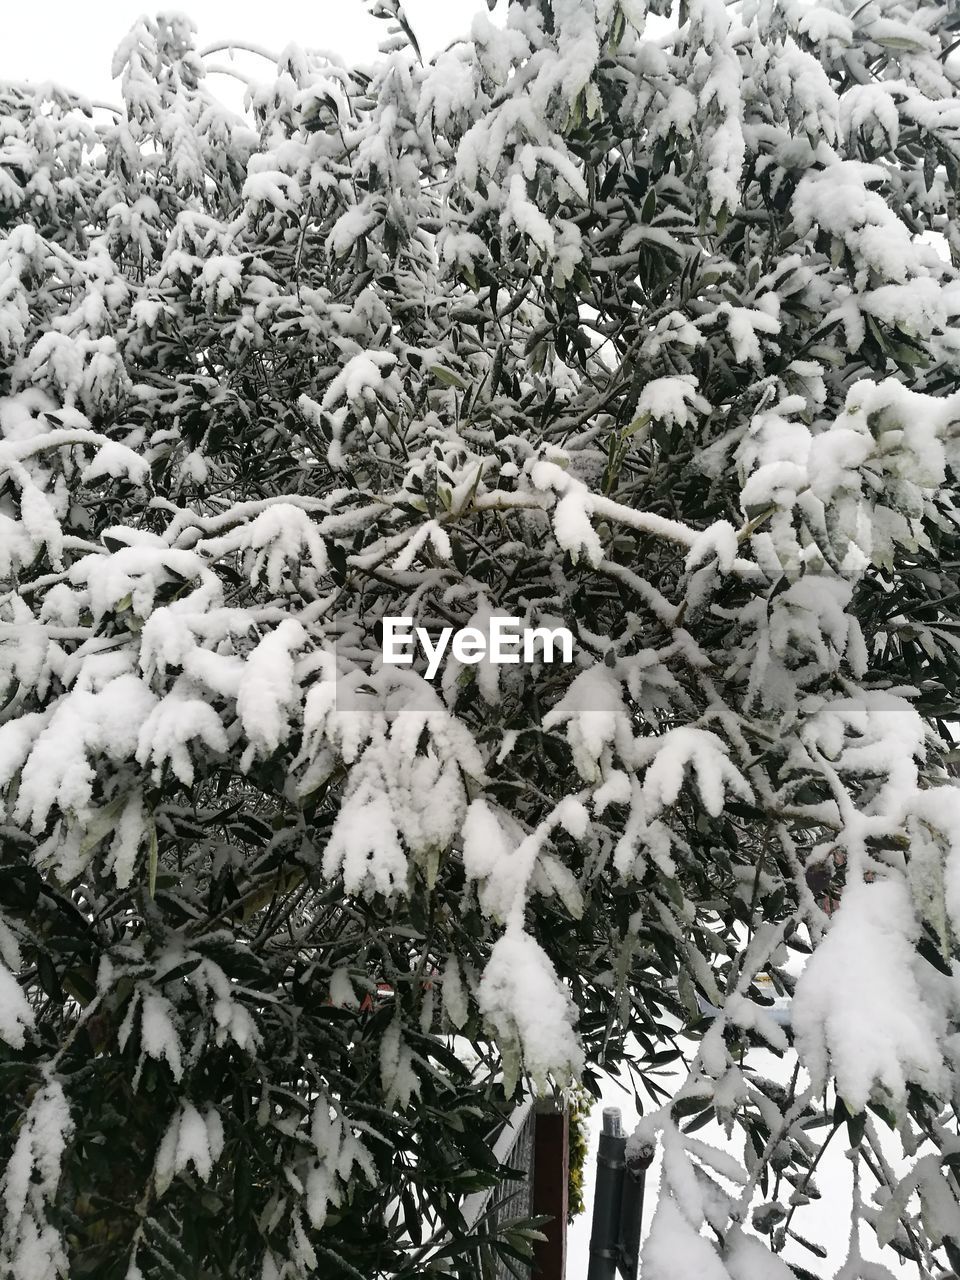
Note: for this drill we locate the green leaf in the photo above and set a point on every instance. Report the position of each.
(856, 1124)
(101, 823)
(447, 377)
(649, 206)
(152, 856)
(48, 978)
(636, 425)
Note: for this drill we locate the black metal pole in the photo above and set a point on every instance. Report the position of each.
(607, 1197)
(637, 1162)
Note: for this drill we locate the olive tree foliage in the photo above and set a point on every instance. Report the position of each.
(613, 317)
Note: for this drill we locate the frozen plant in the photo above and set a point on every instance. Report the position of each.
(630, 318)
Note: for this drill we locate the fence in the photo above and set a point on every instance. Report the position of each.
(535, 1143)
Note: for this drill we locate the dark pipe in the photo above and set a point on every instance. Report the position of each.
(637, 1162)
(607, 1195)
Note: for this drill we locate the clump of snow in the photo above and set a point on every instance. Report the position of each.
(190, 1139)
(16, 1015)
(838, 200)
(747, 1258)
(158, 1033)
(268, 690)
(525, 1005)
(177, 720)
(270, 187)
(59, 769)
(397, 1075)
(364, 845)
(859, 1010)
(705, 755)
(672, 400)
(490, 842)
(31, 1247)
(675, 1250)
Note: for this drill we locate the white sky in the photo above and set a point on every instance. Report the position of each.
(73, 43)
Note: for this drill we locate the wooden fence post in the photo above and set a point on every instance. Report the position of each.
(551, 1163)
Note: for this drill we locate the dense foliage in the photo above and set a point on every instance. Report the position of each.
(643, 332)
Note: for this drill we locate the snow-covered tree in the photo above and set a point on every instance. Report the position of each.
(628, 318)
